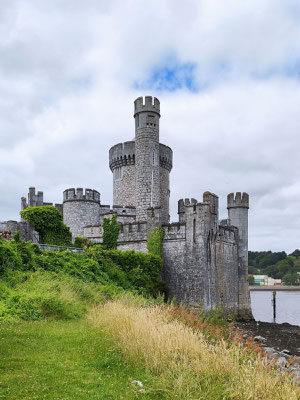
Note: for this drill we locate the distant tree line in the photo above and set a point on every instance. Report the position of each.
(277, 265)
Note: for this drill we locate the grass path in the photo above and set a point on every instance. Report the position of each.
(64, 360)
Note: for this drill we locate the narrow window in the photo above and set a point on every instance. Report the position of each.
(194, 231)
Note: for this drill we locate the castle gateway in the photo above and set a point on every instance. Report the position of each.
(205, 260)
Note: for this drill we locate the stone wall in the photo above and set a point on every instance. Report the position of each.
(227, 269)
(9, 228)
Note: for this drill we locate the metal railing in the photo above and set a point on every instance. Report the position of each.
(51, 247)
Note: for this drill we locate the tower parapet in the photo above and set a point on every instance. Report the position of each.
(122, 154)
(78, 195)
(150, 103)
(238, 200)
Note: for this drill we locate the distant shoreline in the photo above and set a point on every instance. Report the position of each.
(272, 288)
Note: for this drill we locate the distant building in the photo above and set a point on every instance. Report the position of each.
(265, 280)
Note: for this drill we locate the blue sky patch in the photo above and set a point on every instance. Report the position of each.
(171, 76)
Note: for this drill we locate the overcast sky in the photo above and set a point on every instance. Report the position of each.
(227, 74)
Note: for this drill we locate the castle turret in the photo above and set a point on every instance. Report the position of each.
(122, 165)
(147, 170)
(238, 206)
(81, 209)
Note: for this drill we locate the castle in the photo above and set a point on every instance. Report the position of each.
(205, 260)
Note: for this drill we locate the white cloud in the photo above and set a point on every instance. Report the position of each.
(67, 83)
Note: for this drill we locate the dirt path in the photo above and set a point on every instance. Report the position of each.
(279, 336)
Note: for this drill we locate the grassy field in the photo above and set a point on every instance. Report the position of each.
(65, 360)
(63, 338)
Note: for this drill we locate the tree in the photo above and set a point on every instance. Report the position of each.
(110, 232)
(291, 278)
(250, 279)
(295, 253)
(253, 270)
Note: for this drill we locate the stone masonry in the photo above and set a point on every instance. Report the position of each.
(205, 261)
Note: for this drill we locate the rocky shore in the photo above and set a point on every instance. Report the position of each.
(281, 342)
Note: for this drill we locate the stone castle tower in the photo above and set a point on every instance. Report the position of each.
(205, 261)
(141, 167)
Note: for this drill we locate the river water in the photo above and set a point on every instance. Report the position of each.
(287, 306)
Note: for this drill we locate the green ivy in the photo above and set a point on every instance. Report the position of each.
(110, 232)
(48, 222)
(155, 242)
(125, 269)
(79, 242)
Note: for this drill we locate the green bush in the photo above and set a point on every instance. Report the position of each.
(9, 258)
(48, 222)
(79, 242)
(128, 270)
(140, 269)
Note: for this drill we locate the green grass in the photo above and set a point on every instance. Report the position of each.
(65, 360)
(42, 294)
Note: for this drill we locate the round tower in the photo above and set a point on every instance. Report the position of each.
(81, 209)
(238, 206)
(147, 170)
(122, 165)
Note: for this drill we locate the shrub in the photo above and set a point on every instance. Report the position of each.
(48, 222)
(79, 242)
(128, 269)
(9, 258)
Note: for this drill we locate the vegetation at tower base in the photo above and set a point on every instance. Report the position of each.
(48, 222)
(277, 265)
(110, 232)
(155, 241)
(137, 272)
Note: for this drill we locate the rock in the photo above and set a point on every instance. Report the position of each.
(259, 339)
(281, 362)
(270, 352)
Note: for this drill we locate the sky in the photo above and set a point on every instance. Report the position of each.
(227, 74)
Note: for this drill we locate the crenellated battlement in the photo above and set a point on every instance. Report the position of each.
(165, 157)
(146, 104)
(227, 234)
(174, 231)
(238, 201)
(122, 154)
(73, 194)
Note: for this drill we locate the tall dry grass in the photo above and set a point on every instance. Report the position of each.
(186, 365)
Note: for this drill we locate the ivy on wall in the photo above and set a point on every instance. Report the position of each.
(48, 222)
(110, 232)
(155, 242)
